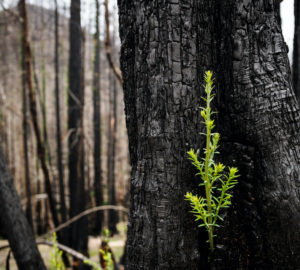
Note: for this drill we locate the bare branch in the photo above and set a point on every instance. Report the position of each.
(115, 69)
(84, 213)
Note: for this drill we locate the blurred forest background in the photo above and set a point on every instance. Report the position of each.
(104, 171)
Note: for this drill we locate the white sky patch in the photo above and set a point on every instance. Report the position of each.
(288, 23)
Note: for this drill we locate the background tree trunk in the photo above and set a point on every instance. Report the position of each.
(15, 224)
(33, 111)
(296, 52)
(25, 130)
(97, 125)
(112, 132)
(163, 61)
(58, 128)
(78, 240)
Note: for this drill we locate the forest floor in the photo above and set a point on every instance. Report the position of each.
(117, 243)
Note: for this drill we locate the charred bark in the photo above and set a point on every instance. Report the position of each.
(166, 47)
(15, 225)
(97, 125)
(296, 52)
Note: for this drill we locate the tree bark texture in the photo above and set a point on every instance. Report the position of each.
(97, 124)
(166, 47)
(296, 52)
(15, 225)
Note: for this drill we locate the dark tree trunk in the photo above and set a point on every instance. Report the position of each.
(112, 215)
(78, 237)
(25, 130)
(296, 52)
(15, 225)
(97, 125)
(166, 47)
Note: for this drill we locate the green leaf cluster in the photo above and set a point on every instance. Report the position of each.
(216, 182)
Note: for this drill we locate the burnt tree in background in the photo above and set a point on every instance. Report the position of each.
(166, 47)
(41, 152)
(111, 155)
(78, 237)
(296, 52)
(25, 126)
(57, 115)
(97, 124)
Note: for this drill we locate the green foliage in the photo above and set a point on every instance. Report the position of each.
(107, 256)
(216, 182)
(94, 265)
(56, 262)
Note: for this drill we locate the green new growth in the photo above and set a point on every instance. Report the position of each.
(215, 181)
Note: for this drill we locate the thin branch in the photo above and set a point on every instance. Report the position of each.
(84, 213)
(64, 248)
(10, 12)
(115, 69)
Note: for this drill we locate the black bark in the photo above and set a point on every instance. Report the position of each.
(296, 52)
(15, 225)
(166, 47)
(78, 237)
(97, 125)
(113, 217)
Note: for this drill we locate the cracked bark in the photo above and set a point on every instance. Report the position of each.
(166, 47)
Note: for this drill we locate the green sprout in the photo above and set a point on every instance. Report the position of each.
(56, 262)
(216, 182)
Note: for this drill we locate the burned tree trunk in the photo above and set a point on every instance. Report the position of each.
(296, 52)
(111, 155)
(97, 125)
(25, 129)
(60, 168)
(78, 237)
(15, 225)
(166, 47)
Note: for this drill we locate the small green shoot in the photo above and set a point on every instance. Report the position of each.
(56, 262)
(216, 182)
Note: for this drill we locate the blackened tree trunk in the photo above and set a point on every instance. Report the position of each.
(15, 225)
(296, 52)
(112, 215)
(78, 238)
(97, 125)
(166, 47)
(25, 130)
